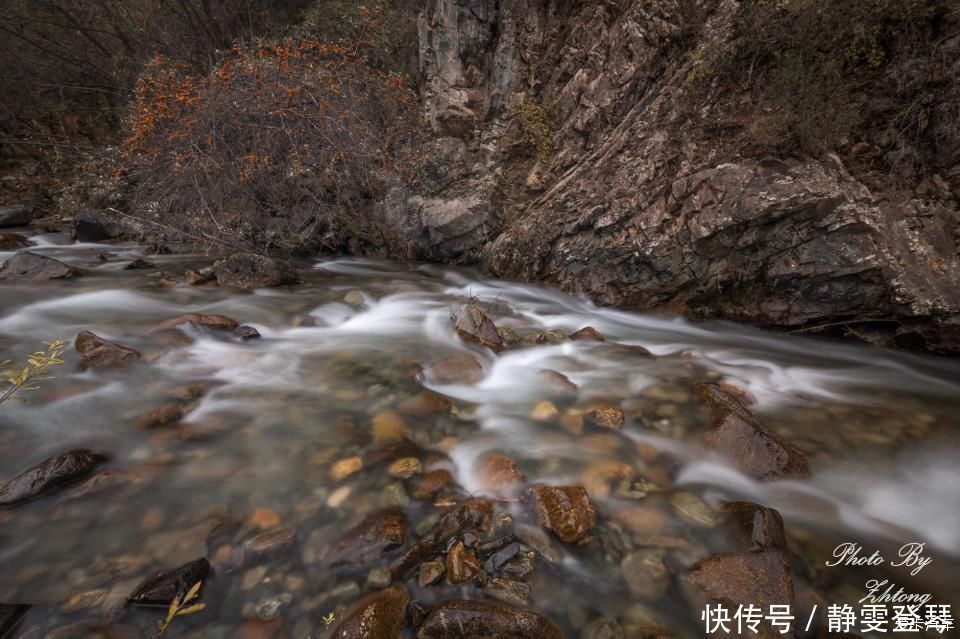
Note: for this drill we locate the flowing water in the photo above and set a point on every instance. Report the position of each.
(267, 419)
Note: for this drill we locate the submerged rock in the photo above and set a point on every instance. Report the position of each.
(566, 511)
(739, 436)
(377, 533)
(10, 616)
(244, 334)
(607, 416)
(461, 564)
(379, 615)
(645, 573)
(164, 587)
(247, 270)
(463, 619)
(472, 325)
(456, 369)
(498, 472)
(27, 266)
(758, 527)
(49, 474)
(100, 353)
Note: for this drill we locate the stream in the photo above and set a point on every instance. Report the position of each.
(266, 431)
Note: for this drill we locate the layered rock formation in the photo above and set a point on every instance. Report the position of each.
(565, 152)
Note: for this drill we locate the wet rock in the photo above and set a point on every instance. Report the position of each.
(379, 615)
(455, 369)
(607, 416)
(96, 226)
(553, 336)
(268, 544)
(355, 298)
(501, 557)
(739, 436)
(247, 271)
(757, 527)
(474, 514)
(164, 587)
(100, 353)
(264, 519)
(28, 267)
(645, 573)
(269, 609)
(643, 520)
(509, 591)
(161, 416)
(462, 564)
(587, 334)
(405, 468)
(206, 320)
(84, 600)
(498, 472)
(566, 511)
(430, 572)
(52, 473)
(463, 619)
(760, 578)
(472, 325)
(12, 241)
(544, 411)
(245, 334)
(379, 578)
(377, 533)
(10, 616)
(556, 382)
(345, 467)
(16, 215)
(139, 264)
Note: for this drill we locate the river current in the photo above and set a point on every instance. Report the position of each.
(267, 419)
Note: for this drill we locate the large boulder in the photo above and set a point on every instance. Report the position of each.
(16, 215)
(736, 434)
(247, 270)
(463, 619)
(100, 353)
(96, 226)
(28, 267)
(379, 615)
(51, 473)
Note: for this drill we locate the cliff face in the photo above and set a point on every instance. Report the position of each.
(571, 148)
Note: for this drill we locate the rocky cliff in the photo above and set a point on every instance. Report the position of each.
(573, 145)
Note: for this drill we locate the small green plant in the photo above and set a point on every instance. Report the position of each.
(181, 606)
(36, 370)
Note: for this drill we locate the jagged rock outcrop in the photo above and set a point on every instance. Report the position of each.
(630, 204)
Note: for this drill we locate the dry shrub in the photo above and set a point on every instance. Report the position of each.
(286, 145)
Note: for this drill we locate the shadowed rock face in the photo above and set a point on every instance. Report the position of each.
(632, 207)
(27, 267)
(10, 616)
(461, 619)
(50, 474)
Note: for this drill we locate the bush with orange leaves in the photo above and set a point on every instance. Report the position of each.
(283, 146)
